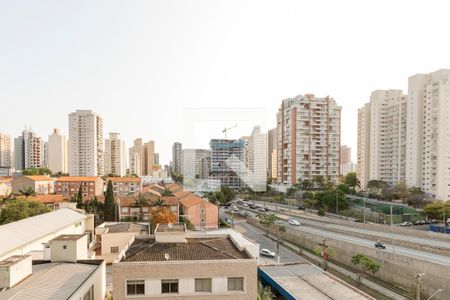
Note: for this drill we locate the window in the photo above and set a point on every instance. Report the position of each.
(135, 287)
(114, 249)
(89, 294)
(235, 283)
(64, 247)
(203, 285)
(169, 286)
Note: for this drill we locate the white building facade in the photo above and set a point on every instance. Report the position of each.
(257, 158)
(28, 150)
(115, 155)
(57, 152)
(6, 154)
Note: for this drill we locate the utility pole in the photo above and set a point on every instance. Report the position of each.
(278, 244)
(418, 279)
(392, 232)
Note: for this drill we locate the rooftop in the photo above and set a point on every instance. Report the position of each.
(124, 179)
(68, 237)
(39, 177)
(77, 178)
(52, 281)
(17, 234)
(125, 227)
(170, 228)
(221, 248)
(12, 260)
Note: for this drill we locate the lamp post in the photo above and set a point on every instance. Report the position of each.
(435, 293)
(418, 279)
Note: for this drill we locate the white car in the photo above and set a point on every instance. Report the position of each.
(245, 205)
(267, 252)
(235, 208)
(406, 224)
(294, 222)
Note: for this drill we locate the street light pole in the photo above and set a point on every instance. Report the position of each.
(435, 293)
(418, 279)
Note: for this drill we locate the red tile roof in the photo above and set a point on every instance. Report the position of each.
(39, 178)
(124, 179)
(77, 178)
(46, 198)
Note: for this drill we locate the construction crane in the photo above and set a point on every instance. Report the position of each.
(225, 130)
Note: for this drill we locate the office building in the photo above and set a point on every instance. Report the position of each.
(308, 138)
(57, 152)
(115, 155)
(86, 151)
(224, 170)
(28, 150)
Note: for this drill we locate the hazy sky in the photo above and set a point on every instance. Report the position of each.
(182, 70)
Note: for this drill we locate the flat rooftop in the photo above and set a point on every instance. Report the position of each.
(68, 237)
(170, 228)
(194, 249)
(52, 281)
(126, 227)
(12, 260)
(306, 281)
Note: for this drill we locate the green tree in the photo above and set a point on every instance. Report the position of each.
(264, 293)
(166, 193)
(110, 205)
(352, 181)
(228, 194)
(36, 171)
(159, 202)
(306, 185)
(140, 201)
(365, 263)
(436, 210)
(375, 187)
(27, 192)
(18, 209)
(267, 220)
(215, 197)
(319, 182)
(177, 177)
(291, 202)
(79, 198)
(416, 197)
(401, 190)
(331, 199)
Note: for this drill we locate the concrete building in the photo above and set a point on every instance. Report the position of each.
(428, 133)
(28, 150)
(57, 152)
(68, 186)
(257, 158)
(347, 166)
(128, 209)
(227, 172)
(86, 151)
(190, 265)
(41, 184)
(149, 157)
(195, 163)
(363, 147)
(176, 157)
(30, 236)
(308, 138)
(6, 151)
(200, 213)
(115, 155)
(271, 148)
(142, 157)
(123, 186)
(385, 130)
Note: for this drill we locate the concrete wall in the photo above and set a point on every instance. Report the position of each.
(218, 270)
(15, 273)
(98, 280)
(395, 269)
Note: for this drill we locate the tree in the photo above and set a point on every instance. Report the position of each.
(159, 202)
(264, 293)
(215, 197)
(416, 197)
(291, 202)
(28, 191)
(167, 193)
(79, 198)
(110, 205)
(163, 215)
(376, 186)
(306, 185)
(177, 177)
(18, 209)
(36, 171)
(228, 194)
(319, 182)
(331, 199)
(401, 190)
(352, 181)
(436, 210)
(267, 220)
(365, 263)
(140, 201)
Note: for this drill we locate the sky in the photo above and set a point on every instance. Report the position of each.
(179, 70)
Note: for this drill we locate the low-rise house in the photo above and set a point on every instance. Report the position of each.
(200, 213)
(129, 210)
(5, 186)
(51, 201)
(31, 236)
(41, 184)
(177, 264)
(65, 274)
(123, 186)
(113, 237)
(68, 186)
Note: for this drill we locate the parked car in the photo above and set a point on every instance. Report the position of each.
(239, 202)
(235, 208)
(267, 252)
(262, 209)
(301, 207)
(419, 222)
(294, 222)
(380, 245)
(404, 224)
(245, 205)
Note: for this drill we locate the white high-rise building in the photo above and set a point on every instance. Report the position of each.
(428, 133)
(257, 158)
(363, 148)
(115, 155)
(308, 138)
(86, 144)
(28, 150)
(57, 152)
(6, 154)
(136, 158)
(176, 157)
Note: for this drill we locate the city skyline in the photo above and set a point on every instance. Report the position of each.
(163, 66)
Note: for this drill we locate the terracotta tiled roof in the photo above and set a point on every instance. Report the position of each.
(174, 187)
(182, 194)
(76, 178)
(194, 249)
(124, 179)
(191, 200)
(129, 200)
(39, 178)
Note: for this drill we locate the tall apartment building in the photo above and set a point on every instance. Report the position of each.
(257, 158)
(86, 151)
(115, 155)
(347, 165)
(6, 153)
(156, 159)
(308, 138)
(221, 151)
(176, 157)
(135, 156)
(428, 133)
(57, 152)
(363, 147)
(271, 148)
(195, 163)
(28, 150)
(149, 157)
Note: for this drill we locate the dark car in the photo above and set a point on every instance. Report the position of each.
(419, 222)
(380, 245)
(301, 207)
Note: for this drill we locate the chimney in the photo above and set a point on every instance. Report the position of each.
(14, 269)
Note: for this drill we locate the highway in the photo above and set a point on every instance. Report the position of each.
(398, 250)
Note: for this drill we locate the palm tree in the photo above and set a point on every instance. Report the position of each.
(167, 192)
(28, 191)
(140, 201)
(159, 202)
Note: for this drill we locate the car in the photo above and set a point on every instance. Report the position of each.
(301, 207)
(419, 222)
(294, 222)
(239, 202)
(245, 205)
(267, 252)
(262, 209)
(380, 245)
(404, 224)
